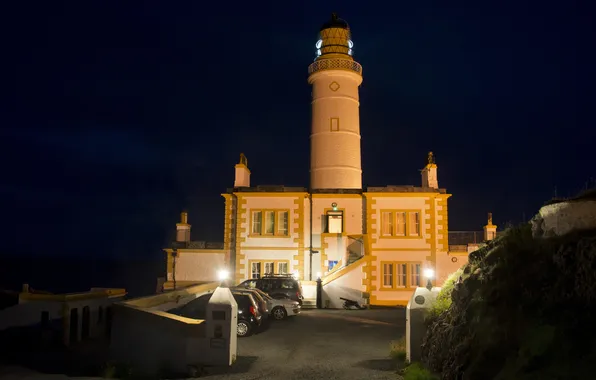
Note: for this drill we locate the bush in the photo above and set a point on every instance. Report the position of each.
(443, 300)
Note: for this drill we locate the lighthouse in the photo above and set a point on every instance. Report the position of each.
(335, 161)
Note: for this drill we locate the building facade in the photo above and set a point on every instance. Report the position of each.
(371, 244)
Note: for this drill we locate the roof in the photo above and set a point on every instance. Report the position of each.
(335, 22)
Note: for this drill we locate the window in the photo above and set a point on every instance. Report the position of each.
(414, 224)
(401, 275)
(260, 268)
(257, 219)
(334, 124)
(282, 225)
(255, 270)
(400, 223)
(269, 222)
(415, 270)
(332, 264)
(388, 275)
(387, 223)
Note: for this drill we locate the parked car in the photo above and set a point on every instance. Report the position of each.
(281, 308)
(278, 286)
(261, 302)
(249, 316)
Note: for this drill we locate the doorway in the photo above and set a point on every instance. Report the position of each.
(74, 325)
(86, 325)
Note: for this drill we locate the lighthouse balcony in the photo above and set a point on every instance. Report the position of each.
(335, 64)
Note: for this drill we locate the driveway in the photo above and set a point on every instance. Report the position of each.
(321, 344)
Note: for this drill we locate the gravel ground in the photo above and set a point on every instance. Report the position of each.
(321, 344)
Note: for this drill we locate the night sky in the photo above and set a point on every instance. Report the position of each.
(116, 115)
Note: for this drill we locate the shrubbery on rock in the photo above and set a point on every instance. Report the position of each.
(523, 308)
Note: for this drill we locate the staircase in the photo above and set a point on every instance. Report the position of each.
(352, 257)
(309, 303)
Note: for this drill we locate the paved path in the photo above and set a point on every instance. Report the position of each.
(321, 344)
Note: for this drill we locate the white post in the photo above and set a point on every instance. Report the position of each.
(222, 321)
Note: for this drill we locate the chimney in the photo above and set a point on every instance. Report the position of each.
(183, 228)
(242, 173)
(490, 230)
(429, 173)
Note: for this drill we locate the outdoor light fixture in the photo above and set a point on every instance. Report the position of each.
(296, 274)
(318, 274)
(429, 274)
(223, 275)
(334, 206)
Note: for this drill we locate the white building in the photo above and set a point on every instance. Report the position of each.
(371, 244)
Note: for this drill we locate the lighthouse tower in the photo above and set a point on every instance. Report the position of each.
(335, 136)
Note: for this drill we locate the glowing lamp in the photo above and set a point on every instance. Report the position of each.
(223, 275)
(429, 273)
(296, 274)
(318, 274)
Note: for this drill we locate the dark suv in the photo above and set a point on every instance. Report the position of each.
(249, 316)
(277, 286)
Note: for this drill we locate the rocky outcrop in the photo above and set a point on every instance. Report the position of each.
(524, 306)
(561, 218)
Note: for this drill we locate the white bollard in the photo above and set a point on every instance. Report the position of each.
(222, 322)
(421, 301)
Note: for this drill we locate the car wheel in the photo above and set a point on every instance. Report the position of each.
(243, 329)
(279, 313)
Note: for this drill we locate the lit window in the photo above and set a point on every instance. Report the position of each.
(257, 218)
(270, 222)
(400, 224)
(388, 275)
(414, 224)
(402, 275)
(255, 270)
(387, 223)
(415, 270)
(282, 223)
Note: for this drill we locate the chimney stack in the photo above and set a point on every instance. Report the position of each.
(429, 173)
(183, 228)
(242, 173)
(490, 230)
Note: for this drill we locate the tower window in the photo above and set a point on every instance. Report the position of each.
(334, 124)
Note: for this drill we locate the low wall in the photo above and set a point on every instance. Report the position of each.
(152, 341)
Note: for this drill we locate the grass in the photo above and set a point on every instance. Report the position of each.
(413, 371)
(398, 353)
(416, 371)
